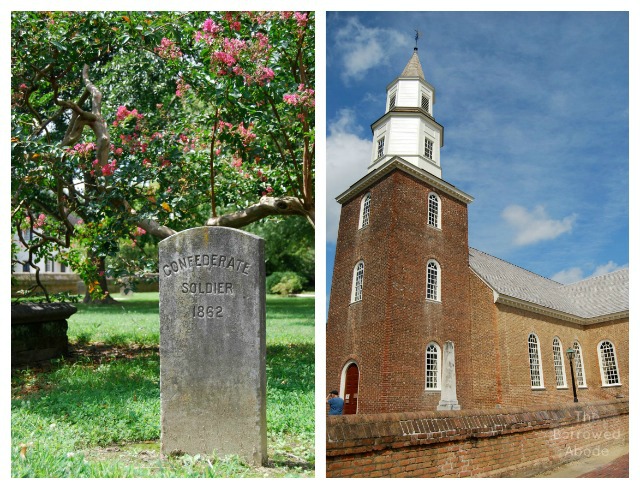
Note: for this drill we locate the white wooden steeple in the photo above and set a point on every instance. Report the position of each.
(408, 129)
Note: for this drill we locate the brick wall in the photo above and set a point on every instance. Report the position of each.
(389, 330)
(476, 443)
(515, 325)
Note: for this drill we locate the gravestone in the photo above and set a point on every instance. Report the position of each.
(448, 396)
(212, 343)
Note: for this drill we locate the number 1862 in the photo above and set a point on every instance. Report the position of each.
(207, 312)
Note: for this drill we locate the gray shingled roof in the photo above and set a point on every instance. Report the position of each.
(413, 68)
(590, 298)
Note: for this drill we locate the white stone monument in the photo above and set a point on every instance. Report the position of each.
(448, 396)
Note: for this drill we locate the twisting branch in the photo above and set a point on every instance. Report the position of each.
(268, 206)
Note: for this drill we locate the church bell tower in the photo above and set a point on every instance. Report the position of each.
(400, 290)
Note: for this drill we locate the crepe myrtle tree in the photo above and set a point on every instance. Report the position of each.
(127, 124)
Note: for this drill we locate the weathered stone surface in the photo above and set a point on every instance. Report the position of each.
(448, 396)
(212, 343)
(39, 331)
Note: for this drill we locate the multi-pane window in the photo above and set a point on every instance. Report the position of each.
(558, 363)
(425, 103)
(432, 368)
(433, 280)
(25, 267)
(358, 280)
(381, 147)
(428, 148)
(392, 101)
(535, 367)
(365, 210)
(433, 216)
(608, 365)
(582, 381)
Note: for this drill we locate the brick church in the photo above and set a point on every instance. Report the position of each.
(418, 320)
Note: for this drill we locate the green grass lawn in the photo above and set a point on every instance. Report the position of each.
(97, 413)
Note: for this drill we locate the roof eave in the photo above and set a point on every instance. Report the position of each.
(398, 163)
(547, 311)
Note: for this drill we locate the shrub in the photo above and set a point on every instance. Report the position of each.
(285, 283)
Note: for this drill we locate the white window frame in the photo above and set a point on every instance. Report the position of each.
(365, 211)
(558, 364)
(358, 282)
(432, 350)
(538, 359)
(604, 374)
(581, 376)
(380, 147)
(430, 267)
(428, 148)
(434, 216)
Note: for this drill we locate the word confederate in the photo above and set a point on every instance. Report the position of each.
(206, 261)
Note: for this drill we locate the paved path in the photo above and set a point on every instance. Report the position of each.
(614, 464)
(616, 469)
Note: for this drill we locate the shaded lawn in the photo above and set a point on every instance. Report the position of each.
(66, 418)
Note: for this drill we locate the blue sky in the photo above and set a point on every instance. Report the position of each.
(535, 108)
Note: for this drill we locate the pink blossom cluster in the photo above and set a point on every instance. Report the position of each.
(301, 18)
(39, 221)
(234, 20)
(181, 87)
(139, 231)
(209, 31)
(82, 149)
(123, 113)
(246, 134)
(168, 49)
(109, 168)
(304, 98)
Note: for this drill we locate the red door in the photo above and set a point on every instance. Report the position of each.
(351, 390)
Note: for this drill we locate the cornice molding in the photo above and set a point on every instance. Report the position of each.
(397, 163)
(546, 311)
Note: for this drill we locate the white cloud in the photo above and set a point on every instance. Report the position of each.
(535, 226)
(347, 161)
(575, 274)
(607, 268)
(362, 48)
(569, 276)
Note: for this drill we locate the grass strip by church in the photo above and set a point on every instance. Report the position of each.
(97, 413)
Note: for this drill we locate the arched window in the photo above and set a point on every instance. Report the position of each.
(433, 218)
(365, 209)
(432, 367)
(535, 367)
(608, 363)
(358, 280)
(580, 375)
(433, 280)
(558, 363)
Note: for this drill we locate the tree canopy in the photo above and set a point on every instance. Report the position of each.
(134, 123)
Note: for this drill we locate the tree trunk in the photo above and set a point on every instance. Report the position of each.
(102, 285)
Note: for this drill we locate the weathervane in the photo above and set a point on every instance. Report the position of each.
(417, 37)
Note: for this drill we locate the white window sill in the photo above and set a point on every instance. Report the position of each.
(582, 387)
(435, 301)
(562, 388)
(542, 388)
(432, 390)
(437, 228)
(611, 385)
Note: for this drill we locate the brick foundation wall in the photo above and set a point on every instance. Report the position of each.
(513, 442)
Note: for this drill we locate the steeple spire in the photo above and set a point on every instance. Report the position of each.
(413, 68)
(408, 129)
